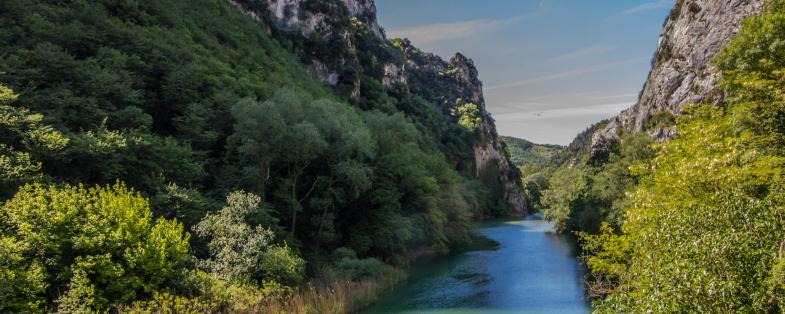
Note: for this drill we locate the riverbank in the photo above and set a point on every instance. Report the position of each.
(531, 269)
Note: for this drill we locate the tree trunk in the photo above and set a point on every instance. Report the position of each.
(321, 226)
(324, 215)
(296, 206)
(264, 176)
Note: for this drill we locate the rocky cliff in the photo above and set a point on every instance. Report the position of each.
(342, 43)
(459, 83)
(682, 72)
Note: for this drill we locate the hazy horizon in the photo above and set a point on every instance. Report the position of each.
(550, 69)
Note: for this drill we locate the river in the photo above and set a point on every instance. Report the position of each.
(530, 269)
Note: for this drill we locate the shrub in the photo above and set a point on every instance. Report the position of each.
(85, 248)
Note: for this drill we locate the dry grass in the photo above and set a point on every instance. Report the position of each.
(337, 297)
(334, 298)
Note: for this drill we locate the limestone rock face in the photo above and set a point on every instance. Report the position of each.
(682, 72)
(291, 13)
(460, 78)
(489, 153)
(420, 72)
(365, 11)
(332, 22)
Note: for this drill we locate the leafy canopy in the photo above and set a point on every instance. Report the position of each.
(85, 248)
(705, 227)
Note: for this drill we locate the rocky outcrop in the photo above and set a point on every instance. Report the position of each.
(682, 72)
(365, 12)
(489, 153)
(446, 83)
(309, 17)
(460, 79)
(319, 23)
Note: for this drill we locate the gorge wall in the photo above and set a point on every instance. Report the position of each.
(681, 72)
(341, 42)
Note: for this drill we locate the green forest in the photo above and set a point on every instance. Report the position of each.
(170, 155)
(185, 157)
(695, 224)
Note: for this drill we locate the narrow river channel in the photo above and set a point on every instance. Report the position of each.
(530, 270)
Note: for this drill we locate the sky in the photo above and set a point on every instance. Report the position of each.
(550, 68)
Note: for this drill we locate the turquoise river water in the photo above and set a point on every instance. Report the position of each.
(530, 269)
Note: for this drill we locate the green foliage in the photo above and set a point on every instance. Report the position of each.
(25, 141)
(566, 187)
(533, 187)
(244, 253)
(660, 119)
(523, 152)
(606, 254)
(281, 264)
(349, 266)
(187, 205)
(147, 161)
(165, 303)
(708, 215)
(185, 102)
(85, 248)
(704, 229)
(578, 150)
(135, 87)
(581, 197)
(534, 163)
(468, 115)
(21, 283)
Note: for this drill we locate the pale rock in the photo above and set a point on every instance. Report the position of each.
(682, 72)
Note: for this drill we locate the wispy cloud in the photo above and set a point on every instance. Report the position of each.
(568, 74)
(582, 52)
(603, 110)
(647, 6)
(431, 33)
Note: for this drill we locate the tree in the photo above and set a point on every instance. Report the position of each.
(705, 226)
(566, 187)
(245, 253)
(25, 141)
(468, 115)
(296, 134)
(88, 247)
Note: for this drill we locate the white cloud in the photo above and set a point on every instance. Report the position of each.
(647, 6)
(431, 33)
(602, 110)
(568, 74)
(518, 102)
(586, 51)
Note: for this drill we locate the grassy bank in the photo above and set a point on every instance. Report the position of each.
(337, 296)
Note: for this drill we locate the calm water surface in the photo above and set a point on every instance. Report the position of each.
(531, 270)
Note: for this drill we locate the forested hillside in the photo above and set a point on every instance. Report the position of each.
(693, 224)
(523, 152)
(205, 156)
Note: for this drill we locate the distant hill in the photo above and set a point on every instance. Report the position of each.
(524, 152)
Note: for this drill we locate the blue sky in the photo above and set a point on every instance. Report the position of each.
(550, 68)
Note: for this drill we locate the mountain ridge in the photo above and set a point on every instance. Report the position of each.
(315, 24)
(682, 72)
(524, 152)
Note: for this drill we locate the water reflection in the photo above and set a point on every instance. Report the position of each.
(531, 270)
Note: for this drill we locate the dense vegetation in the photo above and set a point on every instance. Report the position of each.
(580, 197)
(523, 152)
(129, 131)
(534, 161)
(571, 166)
(701, 228)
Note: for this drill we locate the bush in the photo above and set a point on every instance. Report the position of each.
(243, 253)
(349, 267)
(85, 248)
